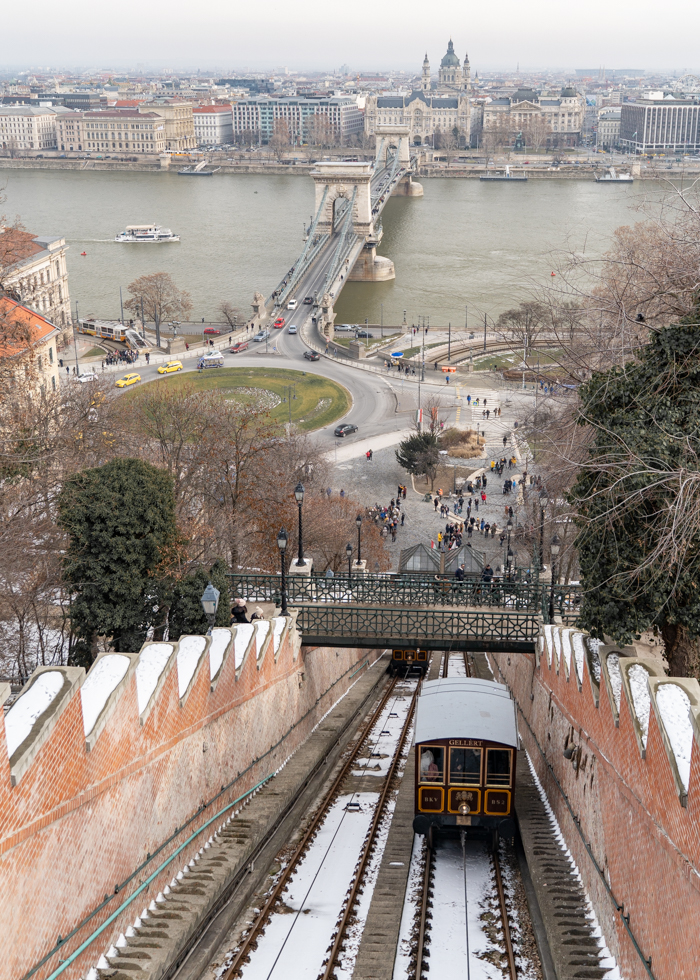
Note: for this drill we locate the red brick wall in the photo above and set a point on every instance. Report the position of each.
(79, 822)
(627, 801)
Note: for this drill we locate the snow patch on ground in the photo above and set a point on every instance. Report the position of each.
(566, 643)
(605, 958)
(244, 631)
(190, 649)
(613, 662)
(278, 624)
(594, 650)
(220, 639)
(673, 705)
(103, 678)
(151, 665)
(639, 685)
(579, 654)
(30, 706)
(456, 667)
(411, 903)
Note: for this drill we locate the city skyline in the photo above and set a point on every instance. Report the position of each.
(315, 37)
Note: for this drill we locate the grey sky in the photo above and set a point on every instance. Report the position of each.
(318, 34)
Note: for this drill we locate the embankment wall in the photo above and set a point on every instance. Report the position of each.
(614, 741)
(104, 777)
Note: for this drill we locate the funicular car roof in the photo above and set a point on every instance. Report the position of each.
(468, 708)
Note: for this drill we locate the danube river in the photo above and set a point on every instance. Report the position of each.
(464, 244)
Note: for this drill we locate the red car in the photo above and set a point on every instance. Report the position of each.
(212, 330)
(279, 323)
(241, 345)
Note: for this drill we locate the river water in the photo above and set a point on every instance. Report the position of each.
(464, 244)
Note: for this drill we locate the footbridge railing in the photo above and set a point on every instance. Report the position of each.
(410, 590)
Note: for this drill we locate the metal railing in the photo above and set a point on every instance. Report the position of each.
(409, 590)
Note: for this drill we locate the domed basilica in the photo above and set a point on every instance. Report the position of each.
(437, 113)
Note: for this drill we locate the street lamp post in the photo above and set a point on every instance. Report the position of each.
(554, 549)
(299, 495)
(282, 539)
(210, 604)
(509, 553)
(358, 523)
(348, 552)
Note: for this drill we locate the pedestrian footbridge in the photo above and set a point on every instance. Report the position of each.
(432, 613)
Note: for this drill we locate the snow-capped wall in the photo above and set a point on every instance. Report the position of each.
(616, 743)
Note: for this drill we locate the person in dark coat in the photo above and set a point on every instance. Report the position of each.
(239, 611)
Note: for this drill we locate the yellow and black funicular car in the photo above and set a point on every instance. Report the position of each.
(406, 661)
(466, 742)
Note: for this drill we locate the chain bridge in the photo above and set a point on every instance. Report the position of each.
(341, 240)
(433, 614)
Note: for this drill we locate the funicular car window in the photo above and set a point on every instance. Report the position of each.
(432, 764)
(465, 766)
(498, 763)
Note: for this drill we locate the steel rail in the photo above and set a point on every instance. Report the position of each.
(237, 963)
(423, 920)
(370, 840)
(504, 916)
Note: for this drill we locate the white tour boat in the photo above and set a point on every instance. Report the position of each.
(146, 233)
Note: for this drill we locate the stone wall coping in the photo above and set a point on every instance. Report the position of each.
(112, 700)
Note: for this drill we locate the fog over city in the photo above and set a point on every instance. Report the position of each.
(320, 35)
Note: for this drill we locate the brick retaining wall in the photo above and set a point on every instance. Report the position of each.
(85, 814)
(627, 801)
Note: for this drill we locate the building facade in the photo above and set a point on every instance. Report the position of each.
(537, 121)
(178, 121)
(40, 280)
(339, 116)
(213, 124)
(660, 125)
(33, 357)
(608, 135)
(439, 111)
(24, 127)
(110, 131)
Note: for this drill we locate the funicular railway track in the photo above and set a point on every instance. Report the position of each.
(278, 898)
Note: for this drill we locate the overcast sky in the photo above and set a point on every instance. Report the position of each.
(323, 34)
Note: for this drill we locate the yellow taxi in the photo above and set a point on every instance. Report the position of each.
(170, 367)
(128, 379)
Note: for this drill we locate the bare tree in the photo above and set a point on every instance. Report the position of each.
(281, 137)
(230, 313)
(523, 325)
(159, 298)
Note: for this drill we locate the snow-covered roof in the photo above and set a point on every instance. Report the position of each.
(465, 707)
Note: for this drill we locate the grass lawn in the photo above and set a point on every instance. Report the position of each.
(318, 401)
(95, 352)
(412, 351)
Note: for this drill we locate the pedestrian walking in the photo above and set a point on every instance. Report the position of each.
(436, 500)
(403, 518)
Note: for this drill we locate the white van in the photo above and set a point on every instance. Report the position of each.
(213, 360)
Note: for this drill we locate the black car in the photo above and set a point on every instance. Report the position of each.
(308, 300)
(346, 429)
(311, 355)
(364, 333)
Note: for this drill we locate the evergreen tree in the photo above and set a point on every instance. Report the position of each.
(186, 613)
(638, 497)
(120, 518)
(419, 455)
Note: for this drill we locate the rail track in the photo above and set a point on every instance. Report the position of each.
(275, 901)
(441, 863)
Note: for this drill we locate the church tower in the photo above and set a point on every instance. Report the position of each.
(449, 70)
(466, 75)
(425, 81)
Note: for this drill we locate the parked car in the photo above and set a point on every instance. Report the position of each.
(308, 300)
(87, 377)
(346, 429)
(364, 333)
(343, 327)
(292, 329)
(241, 345)
(128, 379)
(212, 331)
(170, 367)
(262, 335)
(311, 355)
(279, 323)
(292, 304)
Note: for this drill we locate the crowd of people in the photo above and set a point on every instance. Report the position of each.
(123, 357)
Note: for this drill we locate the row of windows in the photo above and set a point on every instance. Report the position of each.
(465, 766)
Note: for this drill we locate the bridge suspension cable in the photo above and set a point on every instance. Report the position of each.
(308, 254)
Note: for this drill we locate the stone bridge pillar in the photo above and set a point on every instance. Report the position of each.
(395, 137)
(341, 179)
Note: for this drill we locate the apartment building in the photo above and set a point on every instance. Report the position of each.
(178, 119)
(543, 120)
(259, 114)
(213, 124)
(31, 358)
(24, 127)
(608, 136)
(111, 131)
(40, 279)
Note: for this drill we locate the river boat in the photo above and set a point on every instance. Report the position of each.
(506, 176)
(198, 171)
(146, 233)
(613, 177)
